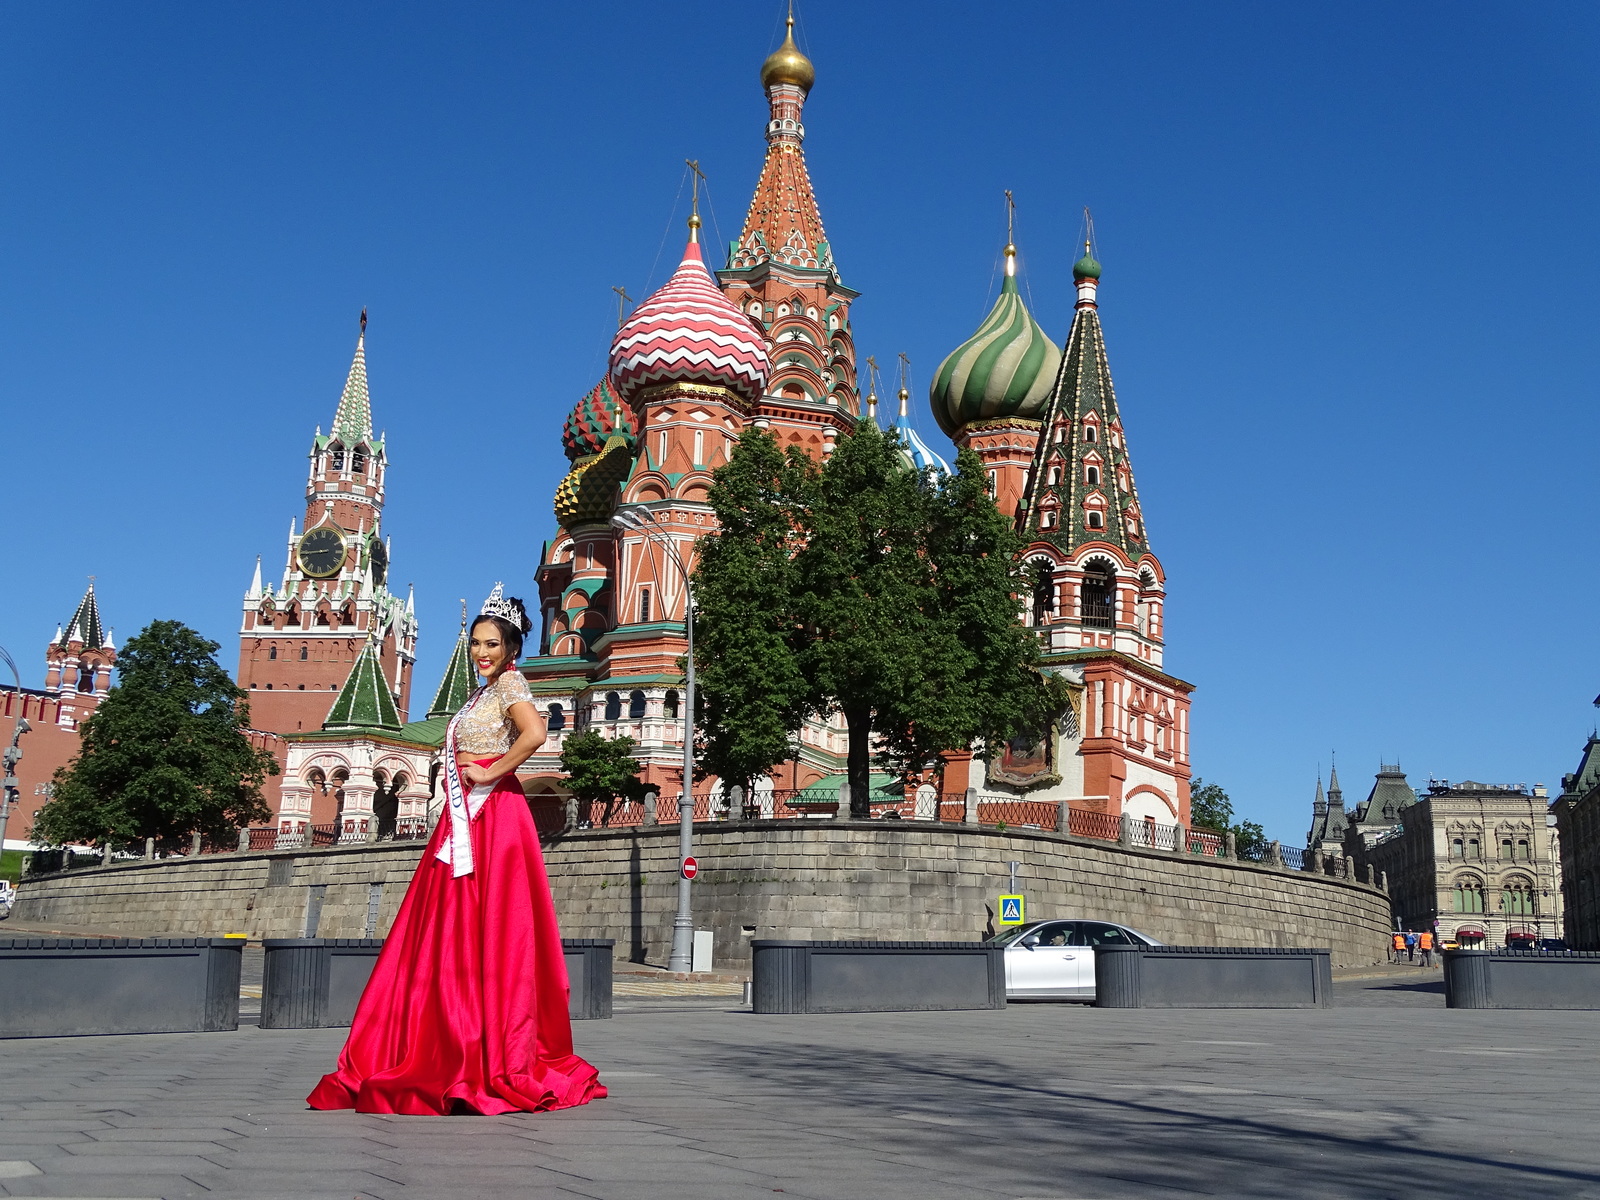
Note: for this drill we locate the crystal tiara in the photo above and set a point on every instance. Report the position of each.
(507, 608)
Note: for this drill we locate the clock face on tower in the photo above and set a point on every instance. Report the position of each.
(321, 551)
(380, 561)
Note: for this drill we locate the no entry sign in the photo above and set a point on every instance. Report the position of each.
(690, 868)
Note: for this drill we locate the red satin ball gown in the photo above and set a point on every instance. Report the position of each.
(466, 1010)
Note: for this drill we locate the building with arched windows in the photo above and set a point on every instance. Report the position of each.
(1479, 864)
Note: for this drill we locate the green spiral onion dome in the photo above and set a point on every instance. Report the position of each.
(589, 423)
(1006, 369)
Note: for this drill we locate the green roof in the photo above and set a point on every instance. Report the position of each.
(1086, 268)
(826, 789)
(457, 683)
(365, 701)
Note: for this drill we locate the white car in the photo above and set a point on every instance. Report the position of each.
(1054, 960)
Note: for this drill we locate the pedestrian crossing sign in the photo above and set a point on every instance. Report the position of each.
(1011, 910)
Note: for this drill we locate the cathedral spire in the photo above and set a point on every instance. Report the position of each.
(353, 421)
(1082, 487)
(783, 225)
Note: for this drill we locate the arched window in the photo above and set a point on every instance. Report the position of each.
(1055, 476)
(644, 604)
(1517, 898)
(1505, 849)
(1091, 475)
(669, 706)
(1089, 433)
(358, 462)
(555, 718)
(1044, 594)
(86, 677)
(635, 704)
(1099, 594)
(338, 458)
(304, 654)
(1524, 851)
(613, 706)
(1474, 850)
(1095, 520)
(1458, 848)
(1047, 520)
(272, 654)
(1469, 896)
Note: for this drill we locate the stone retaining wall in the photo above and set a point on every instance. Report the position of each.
(776, 879)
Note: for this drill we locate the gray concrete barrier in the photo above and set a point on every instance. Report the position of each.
(315, 983)
(836, 977)
(65, 987)
(1211, 977)
(1521, 979)
(589, 974)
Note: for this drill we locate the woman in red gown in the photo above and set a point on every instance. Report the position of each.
(466, 1010)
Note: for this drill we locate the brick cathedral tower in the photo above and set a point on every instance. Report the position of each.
(1099, 600)
(301, 637)
(781, 274)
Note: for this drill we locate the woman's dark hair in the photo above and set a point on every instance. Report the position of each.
(511, 634)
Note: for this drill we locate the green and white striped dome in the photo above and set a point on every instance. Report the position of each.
(1006, 369)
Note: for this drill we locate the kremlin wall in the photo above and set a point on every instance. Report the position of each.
(764, 341)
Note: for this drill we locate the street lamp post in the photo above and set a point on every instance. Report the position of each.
(13, 752)
(639, 519)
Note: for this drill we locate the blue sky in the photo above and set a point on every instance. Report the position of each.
(1349, 260)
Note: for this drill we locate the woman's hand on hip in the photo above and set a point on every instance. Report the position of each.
(476, 776)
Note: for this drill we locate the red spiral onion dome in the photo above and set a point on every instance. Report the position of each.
(689, 332)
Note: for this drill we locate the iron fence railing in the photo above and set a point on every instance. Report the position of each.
(555, 815)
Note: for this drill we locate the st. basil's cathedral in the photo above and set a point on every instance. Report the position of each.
(326, 650)
(767, 341)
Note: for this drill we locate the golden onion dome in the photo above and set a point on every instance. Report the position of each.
(787, 65)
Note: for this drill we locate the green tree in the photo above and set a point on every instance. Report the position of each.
(986, 685)
(1210, 808)
(752, 693)
(601, 770)
(165, 755)
(864, 588)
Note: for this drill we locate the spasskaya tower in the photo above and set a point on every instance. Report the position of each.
(301, 636)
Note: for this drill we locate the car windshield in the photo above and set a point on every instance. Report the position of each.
(1007, 936)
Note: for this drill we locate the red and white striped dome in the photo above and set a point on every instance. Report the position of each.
(689, 332)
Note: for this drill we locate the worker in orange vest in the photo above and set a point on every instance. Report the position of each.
(1425, 944)
(1397, 947)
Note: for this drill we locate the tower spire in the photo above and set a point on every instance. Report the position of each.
(694, 203)
(1082, 487)
(1011, 239)
(353, 421)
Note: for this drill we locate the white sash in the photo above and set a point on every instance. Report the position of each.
(463, 806)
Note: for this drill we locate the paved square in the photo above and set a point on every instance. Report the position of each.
(1389, 1095)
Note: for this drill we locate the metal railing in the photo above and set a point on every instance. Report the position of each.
(555, 815)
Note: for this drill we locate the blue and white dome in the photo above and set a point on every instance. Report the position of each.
(918, 455)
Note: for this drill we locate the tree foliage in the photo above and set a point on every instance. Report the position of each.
(166, 753)
(1210, 808)
(752, 694)
(865, 588)
(601, 770)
